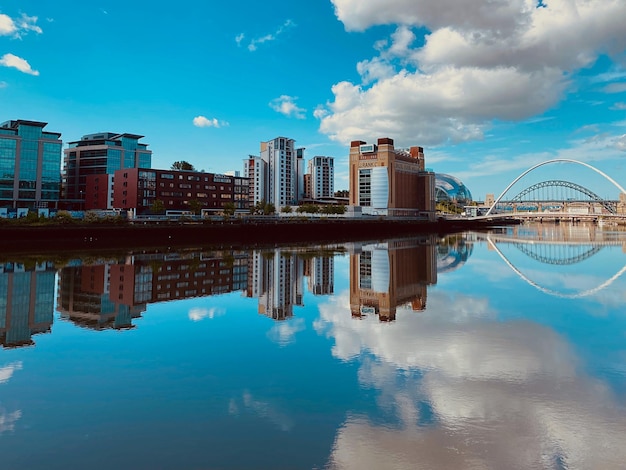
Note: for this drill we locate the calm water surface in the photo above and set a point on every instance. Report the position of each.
(504, 350)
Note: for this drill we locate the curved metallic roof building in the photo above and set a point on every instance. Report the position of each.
(450, 188)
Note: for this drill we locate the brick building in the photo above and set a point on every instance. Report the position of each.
(137, 189)
(389, 181)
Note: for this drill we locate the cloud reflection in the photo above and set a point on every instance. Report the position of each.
(499, 394)
(262, 408)
(284, 333)
(6, 372)
(198, 313)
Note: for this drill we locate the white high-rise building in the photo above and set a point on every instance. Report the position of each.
(277, 176)
(322, 171)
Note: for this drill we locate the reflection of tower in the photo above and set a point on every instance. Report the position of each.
(85, 296)
(386, 275)
(26, 302)
(277, 281)
(321, 272)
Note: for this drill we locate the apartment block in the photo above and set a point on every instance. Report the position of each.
(137, 189)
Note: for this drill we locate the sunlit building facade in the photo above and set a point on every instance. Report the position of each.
(277, 175)
(100, 154)
(30, 165)
(390, 182)
(322, 177)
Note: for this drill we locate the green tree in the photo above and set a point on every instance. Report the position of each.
(183, 165)
(269, 209)
(195, 206)
(157, 207)
(286, 210)
(229, 209)
(264, 208)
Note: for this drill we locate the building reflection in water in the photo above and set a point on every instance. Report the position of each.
(112, 294)
(386, 275)
(277, 278)
(26, 302)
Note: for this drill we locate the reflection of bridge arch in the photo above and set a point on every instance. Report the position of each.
(576, 256)
(545, 290)
(547, 162)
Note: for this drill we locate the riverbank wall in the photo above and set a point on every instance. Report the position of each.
(228, 233)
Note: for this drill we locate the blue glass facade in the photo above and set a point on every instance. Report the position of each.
(101, 153)
(30, 165)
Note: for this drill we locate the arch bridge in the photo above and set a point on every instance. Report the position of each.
(565, 198)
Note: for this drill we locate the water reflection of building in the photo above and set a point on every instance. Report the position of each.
(321, 273)
(26, 302)
(110, 295)
(453, 251)
(96, 297)
(389, 274)
(277, 279)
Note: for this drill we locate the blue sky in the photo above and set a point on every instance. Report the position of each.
(489, 89)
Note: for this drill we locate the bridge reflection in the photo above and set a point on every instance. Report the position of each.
(557, 245)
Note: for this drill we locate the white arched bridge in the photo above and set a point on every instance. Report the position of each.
(556, 198)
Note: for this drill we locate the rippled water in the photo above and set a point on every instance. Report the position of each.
(503, 350)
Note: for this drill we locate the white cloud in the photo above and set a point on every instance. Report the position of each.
(18, 27)
(253, 45)
(615, 87)
(284, 333)
(7, 371)
(265, 409)
(3, 84)
(10, 60)
(7, 420)
(501, 382)
(7, 26)
(287, 105)
(590, 149)
(619, 106)
(198, 314)
(481, 61)
(202, 121)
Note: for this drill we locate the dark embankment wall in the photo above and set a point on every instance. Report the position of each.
(230, 233)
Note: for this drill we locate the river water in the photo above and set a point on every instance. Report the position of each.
(500, 350)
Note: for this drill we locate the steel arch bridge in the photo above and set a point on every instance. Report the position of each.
(590, 196)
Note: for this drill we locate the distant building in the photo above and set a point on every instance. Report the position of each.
(322, 177)
(389, 181)
(255, 169)
(137, 189)
(277, 175)
(30, 165)
(450, 188)
(100, 154)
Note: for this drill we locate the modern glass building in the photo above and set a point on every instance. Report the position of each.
(450, 188)
(97, 154)
(30, 165)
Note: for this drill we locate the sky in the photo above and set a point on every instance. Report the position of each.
(489, 88)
